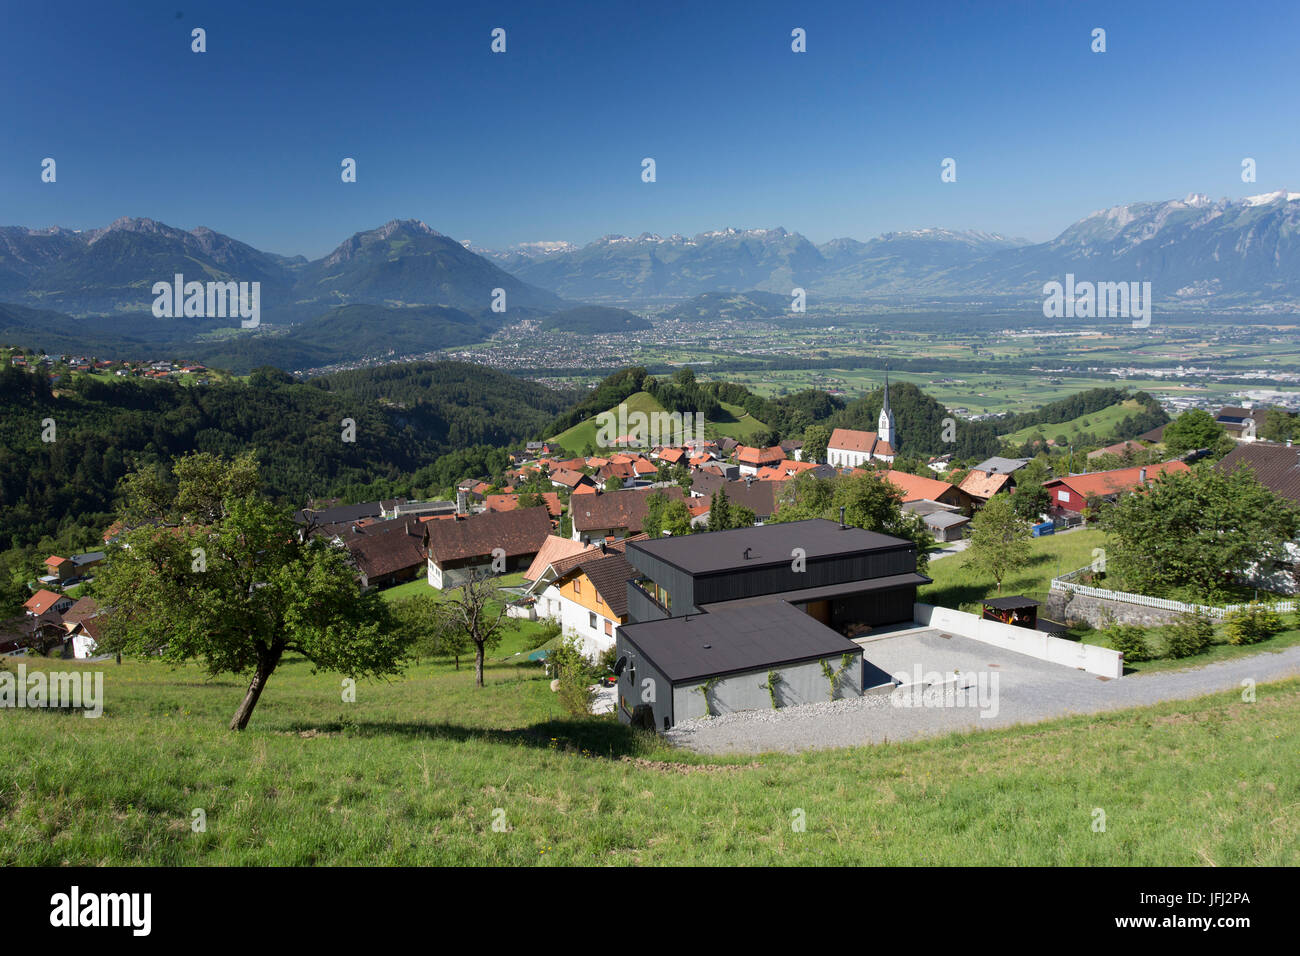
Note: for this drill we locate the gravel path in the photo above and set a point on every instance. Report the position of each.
(1006, 689)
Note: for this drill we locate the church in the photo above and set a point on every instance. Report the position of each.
(850, 448)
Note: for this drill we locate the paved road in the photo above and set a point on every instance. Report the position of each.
(949, 548)
(1008, 689)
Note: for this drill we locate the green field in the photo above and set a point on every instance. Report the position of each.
(420, 587)
(741, 427)
(1101, 423)
(417, 771)
(581, 435)
(958, 584)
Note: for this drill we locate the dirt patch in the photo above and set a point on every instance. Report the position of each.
(665, 766)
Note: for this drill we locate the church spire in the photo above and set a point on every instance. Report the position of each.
(886, 429)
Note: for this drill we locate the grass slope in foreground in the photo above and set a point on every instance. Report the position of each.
(413, 772)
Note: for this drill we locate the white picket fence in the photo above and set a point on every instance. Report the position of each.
(1065, 583)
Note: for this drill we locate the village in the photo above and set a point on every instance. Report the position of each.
(638, 556)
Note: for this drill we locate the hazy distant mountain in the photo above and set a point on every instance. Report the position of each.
(594, 320)
(113, 269)
(894, 263)
(406, 262)
(1193, 251)
(622, 268)
(400, 289)
(715, 306)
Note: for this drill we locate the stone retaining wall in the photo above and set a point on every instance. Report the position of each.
(1098, 612)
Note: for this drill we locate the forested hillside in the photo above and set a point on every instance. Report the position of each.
(405, 417)
(921, 424)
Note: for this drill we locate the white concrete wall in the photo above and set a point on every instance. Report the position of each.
(575, 619)
(844, 458)
(548, 603)
(1089, 657)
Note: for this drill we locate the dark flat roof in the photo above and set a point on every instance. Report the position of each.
(731, 640)
(1011, 603)
(769, 544)
(826, 591)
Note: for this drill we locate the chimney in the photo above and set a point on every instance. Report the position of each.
(1142, 477)
(842, 518)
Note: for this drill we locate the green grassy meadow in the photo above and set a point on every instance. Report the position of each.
(418, 769)
(1100, 423)
(741, 426)
(426, 768)
(957, 583)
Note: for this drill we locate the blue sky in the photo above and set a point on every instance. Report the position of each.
(546, 140)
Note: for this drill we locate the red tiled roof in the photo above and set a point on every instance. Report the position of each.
(917, 487)
(748, 455)
(980, 484)
(551, 499)
(1113, 482)
(851, 439)
(553, 549)
(42, 601)
(568, 477)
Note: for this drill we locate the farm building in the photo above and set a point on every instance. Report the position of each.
(1072, 492)
(494, 542)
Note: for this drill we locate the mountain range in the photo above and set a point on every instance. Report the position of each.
(404, 288)
(112, 270)
(1194, 251)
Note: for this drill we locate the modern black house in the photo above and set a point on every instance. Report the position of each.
(847, 578)
(709, 612)
(740, 658)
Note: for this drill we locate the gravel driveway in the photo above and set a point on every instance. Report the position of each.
(1005, 688)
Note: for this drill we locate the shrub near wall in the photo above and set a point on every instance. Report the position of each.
(1130, 641)
(1251, 625)
(1189, 636)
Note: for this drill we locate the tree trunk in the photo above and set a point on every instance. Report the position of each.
(478, 664)
(265, 665)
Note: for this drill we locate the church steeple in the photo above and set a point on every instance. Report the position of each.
(886, 429)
